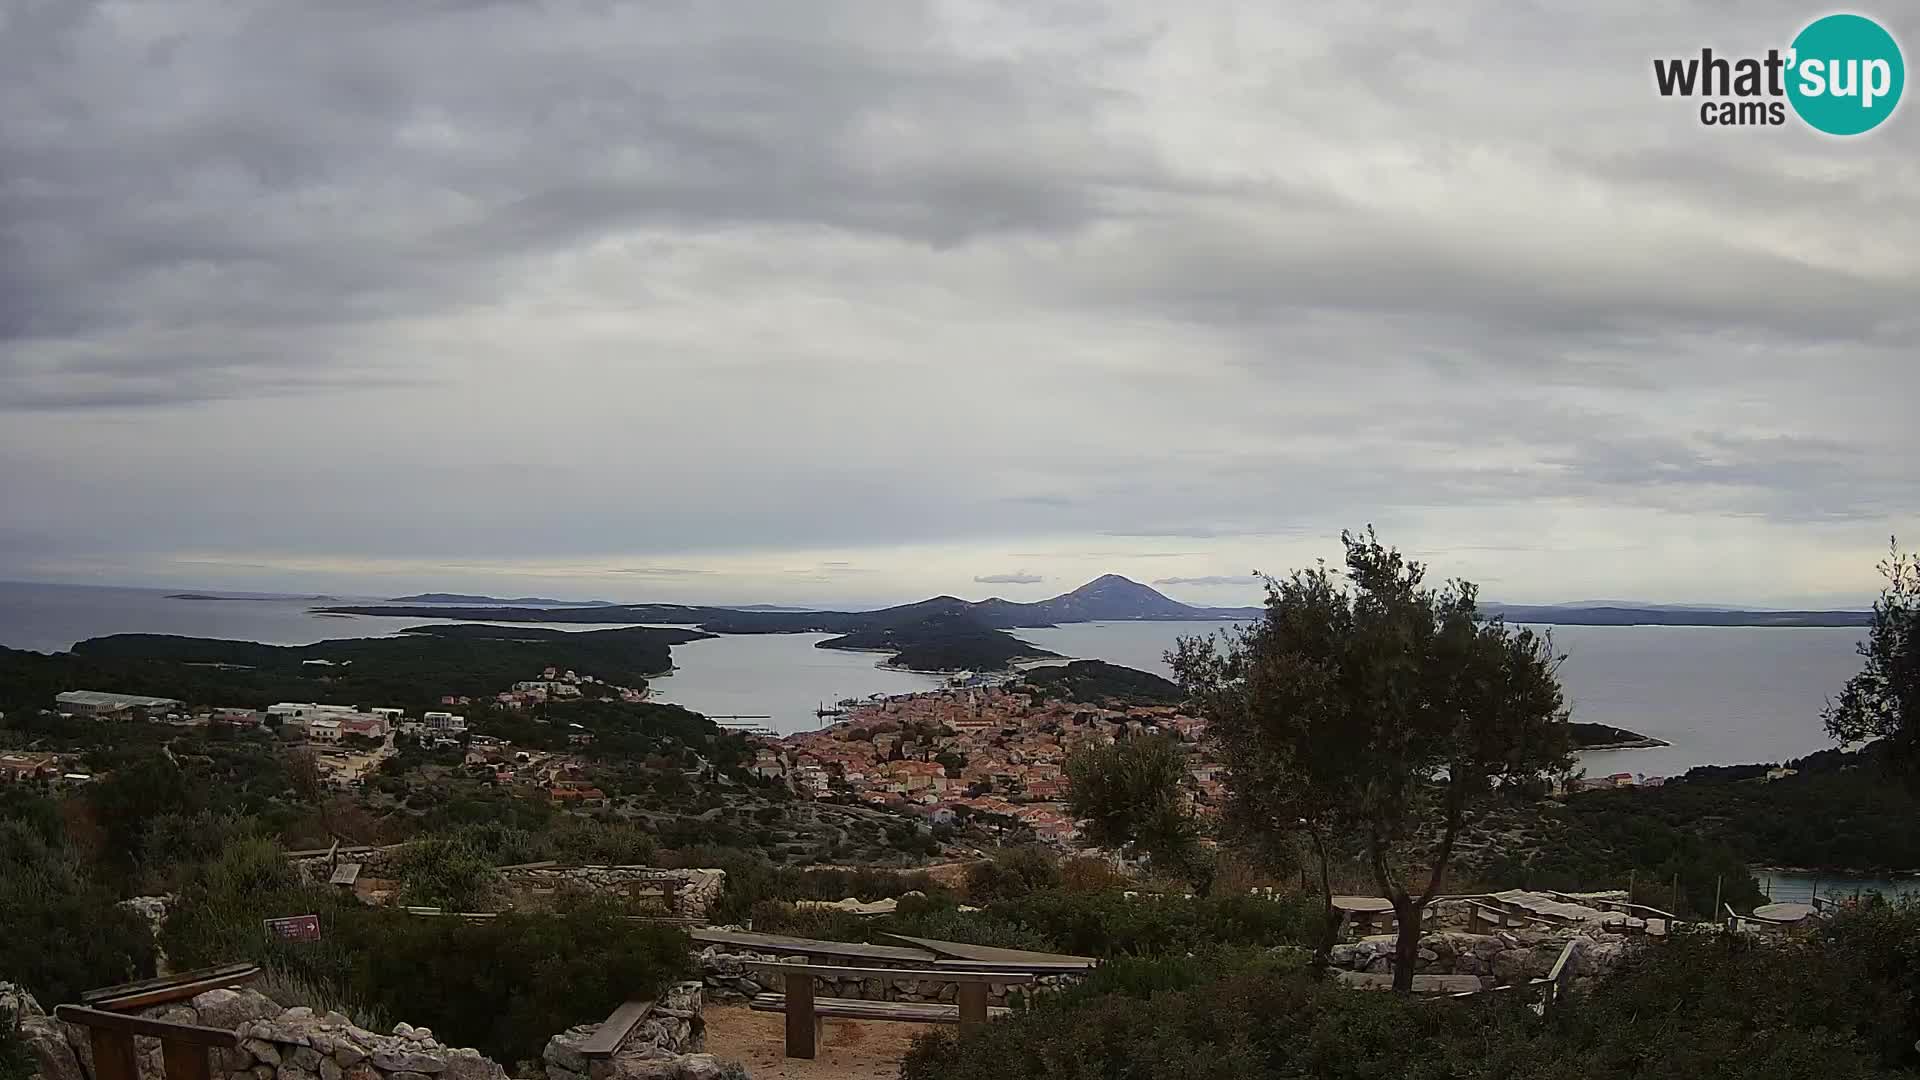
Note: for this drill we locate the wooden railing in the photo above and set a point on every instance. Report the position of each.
(179, 986)
(183, 1047)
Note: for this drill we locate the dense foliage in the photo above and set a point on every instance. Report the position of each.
(502, 985)
(411, 671)
(1883, 700)
(1838, 1007)
(1132, 793)
(1379, 710)
(60, 931)
(16, 1061)
(1840, 811)
(1098, 681)
(1102, 923)
(940, 640)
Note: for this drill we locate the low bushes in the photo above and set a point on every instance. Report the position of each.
(1104, 924)
(1837, 1007)
(503, 985)
(60, 931)
(1111, 923)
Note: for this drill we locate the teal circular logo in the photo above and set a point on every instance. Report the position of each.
(1847, 74)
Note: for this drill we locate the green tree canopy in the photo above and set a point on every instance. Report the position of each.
(1131, 793)
(1883, 700)
(1374, 712)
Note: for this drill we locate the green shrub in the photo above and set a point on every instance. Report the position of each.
(826, 924)
(1111, 923)
(1144, 976)
(16, 1061)
(1011, 874)
(1699, 1006)
(505, 985)
(447, 872)
(971, 927)
(60, 931)
(502, 985)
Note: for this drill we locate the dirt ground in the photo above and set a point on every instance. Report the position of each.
(849, 1049)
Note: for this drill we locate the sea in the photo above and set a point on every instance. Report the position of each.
(1718, 695)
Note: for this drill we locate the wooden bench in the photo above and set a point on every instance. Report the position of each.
(183, 1047)
(916, 1012)
(126, 997)
(614, 1030)
(804, 1011)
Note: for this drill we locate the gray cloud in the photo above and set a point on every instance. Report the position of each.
(1020, 578)
(1247, 580)
(689, 297)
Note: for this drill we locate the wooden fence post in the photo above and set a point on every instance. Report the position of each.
(973, 1004)
(801, 1023)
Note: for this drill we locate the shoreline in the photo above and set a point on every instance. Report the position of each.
(1851, 872)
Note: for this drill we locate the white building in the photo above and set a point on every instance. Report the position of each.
(372, 723)
(327, 731)
(308, 710)
(98, 703)
(444, 722)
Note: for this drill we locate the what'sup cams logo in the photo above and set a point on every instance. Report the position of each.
(1842, 75)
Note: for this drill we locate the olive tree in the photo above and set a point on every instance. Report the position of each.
(1882, 701)
(1370, 712)
(1132, 793)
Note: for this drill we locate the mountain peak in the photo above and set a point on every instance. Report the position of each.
(1109, 581)
(1111, 596)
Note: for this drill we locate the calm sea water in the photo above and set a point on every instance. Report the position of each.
(1799, 888)
(1720, 695)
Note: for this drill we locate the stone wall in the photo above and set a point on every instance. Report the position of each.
(380, 862)
(1501, 959)
(668, 1045)
(687, 894)
(276, 1044)
(727, 978)
(45, 1037)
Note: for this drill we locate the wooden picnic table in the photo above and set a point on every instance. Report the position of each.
(804, 1011)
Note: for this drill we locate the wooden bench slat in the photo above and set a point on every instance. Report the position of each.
(614, 1029)
(161, 995)
(952, 975)
(166, 981)
(918, 1012)
(101, 1020)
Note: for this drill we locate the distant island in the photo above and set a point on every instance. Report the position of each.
(767, 607)
(466, 598)
(947, 633)
(941, 641)
(1558, 615)
(1109, 598)
(249, 596)
(1606, 737)
(1098, 681)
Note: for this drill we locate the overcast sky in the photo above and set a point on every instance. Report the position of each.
(842, 302)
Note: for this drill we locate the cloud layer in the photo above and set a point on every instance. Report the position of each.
(843, 299)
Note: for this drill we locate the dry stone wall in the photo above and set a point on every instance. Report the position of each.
(687, 894)
(668, 1045)
(275, 1044)
(1501, 959)
(728, 978)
